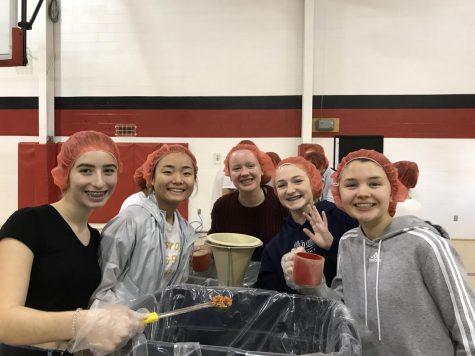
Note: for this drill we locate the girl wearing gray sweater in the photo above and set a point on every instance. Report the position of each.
(400, 278)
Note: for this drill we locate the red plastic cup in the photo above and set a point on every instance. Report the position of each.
(308, 269)
(200, 260)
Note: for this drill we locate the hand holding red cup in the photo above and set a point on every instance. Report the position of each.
(308, 269)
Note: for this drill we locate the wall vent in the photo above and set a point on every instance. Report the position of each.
(125, 130)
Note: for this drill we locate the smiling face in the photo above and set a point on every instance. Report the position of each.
(293, 189)
(365, 194)
(245, 171)
(174, 180)
(92, 179)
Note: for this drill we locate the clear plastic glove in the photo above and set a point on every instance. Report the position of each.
(106, 329)
(287, 263)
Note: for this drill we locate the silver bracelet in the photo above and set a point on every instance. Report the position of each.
(75, 318)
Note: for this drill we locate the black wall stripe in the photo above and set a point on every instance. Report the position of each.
(185, 102)
(23, 102)
(458, 101)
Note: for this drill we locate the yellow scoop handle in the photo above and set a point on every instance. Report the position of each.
(153, 317)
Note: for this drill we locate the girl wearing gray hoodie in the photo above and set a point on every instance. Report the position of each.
(400, 278)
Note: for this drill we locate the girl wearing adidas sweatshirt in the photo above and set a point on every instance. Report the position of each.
(401, 279)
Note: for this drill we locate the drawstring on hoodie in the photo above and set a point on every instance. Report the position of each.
(377, 287)
(365, 289)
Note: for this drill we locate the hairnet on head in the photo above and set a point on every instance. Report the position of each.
(398, 191)
(77, 144)
(311, 147)
(408, 173)
(263, 158)
(317, 159)
(148, 167)
(248, 142)
(274, 157)
(139, 179)
(312, 173)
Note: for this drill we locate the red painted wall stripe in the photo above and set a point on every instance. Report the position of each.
(184, 123)
(391, 123)
(407, 123)
(18, 122)
(403, 123)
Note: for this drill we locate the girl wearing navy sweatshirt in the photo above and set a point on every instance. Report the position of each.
(298, 184)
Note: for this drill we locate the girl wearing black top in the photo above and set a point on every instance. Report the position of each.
(48, 261)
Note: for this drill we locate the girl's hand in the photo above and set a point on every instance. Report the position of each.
(105, 329)
(287, 263)
(320, 235)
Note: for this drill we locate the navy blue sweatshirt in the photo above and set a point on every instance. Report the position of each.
(291, 236)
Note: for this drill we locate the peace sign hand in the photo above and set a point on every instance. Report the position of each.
(320, 234)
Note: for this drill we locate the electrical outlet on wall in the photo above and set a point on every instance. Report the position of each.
(217, 157)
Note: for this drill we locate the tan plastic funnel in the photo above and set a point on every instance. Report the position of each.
(232, 254)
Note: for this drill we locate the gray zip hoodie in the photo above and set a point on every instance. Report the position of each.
(132, 253)
(409, 288)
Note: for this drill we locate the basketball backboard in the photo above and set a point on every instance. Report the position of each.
(8, 17)
(11, 36)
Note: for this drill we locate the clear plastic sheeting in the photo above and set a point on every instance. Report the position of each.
(210, 278)
(258, 322)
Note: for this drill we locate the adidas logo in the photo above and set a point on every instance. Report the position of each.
(374, 258)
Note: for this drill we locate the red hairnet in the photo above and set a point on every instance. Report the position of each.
(148, 167)
(408, 173)
(398, 191)
(248, 142)
(313, 175)
(139, 179)
(264, 161)
(274, 157)
(311, 147)
(77, 144)
(318, 159)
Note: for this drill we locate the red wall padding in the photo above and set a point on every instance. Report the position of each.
(17, 49)
(35, 183)
(36, 187)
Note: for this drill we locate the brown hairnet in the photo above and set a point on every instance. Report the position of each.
(408, 173)
(248, 142)
(313, 175)
(264, 161)
(318, 159)
(311, 147)
(139, 179)
(148, 167)
(274, 157)
(77, 144)
(398, 191)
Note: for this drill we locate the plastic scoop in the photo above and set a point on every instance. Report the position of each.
(153, 317)
(217, 301)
